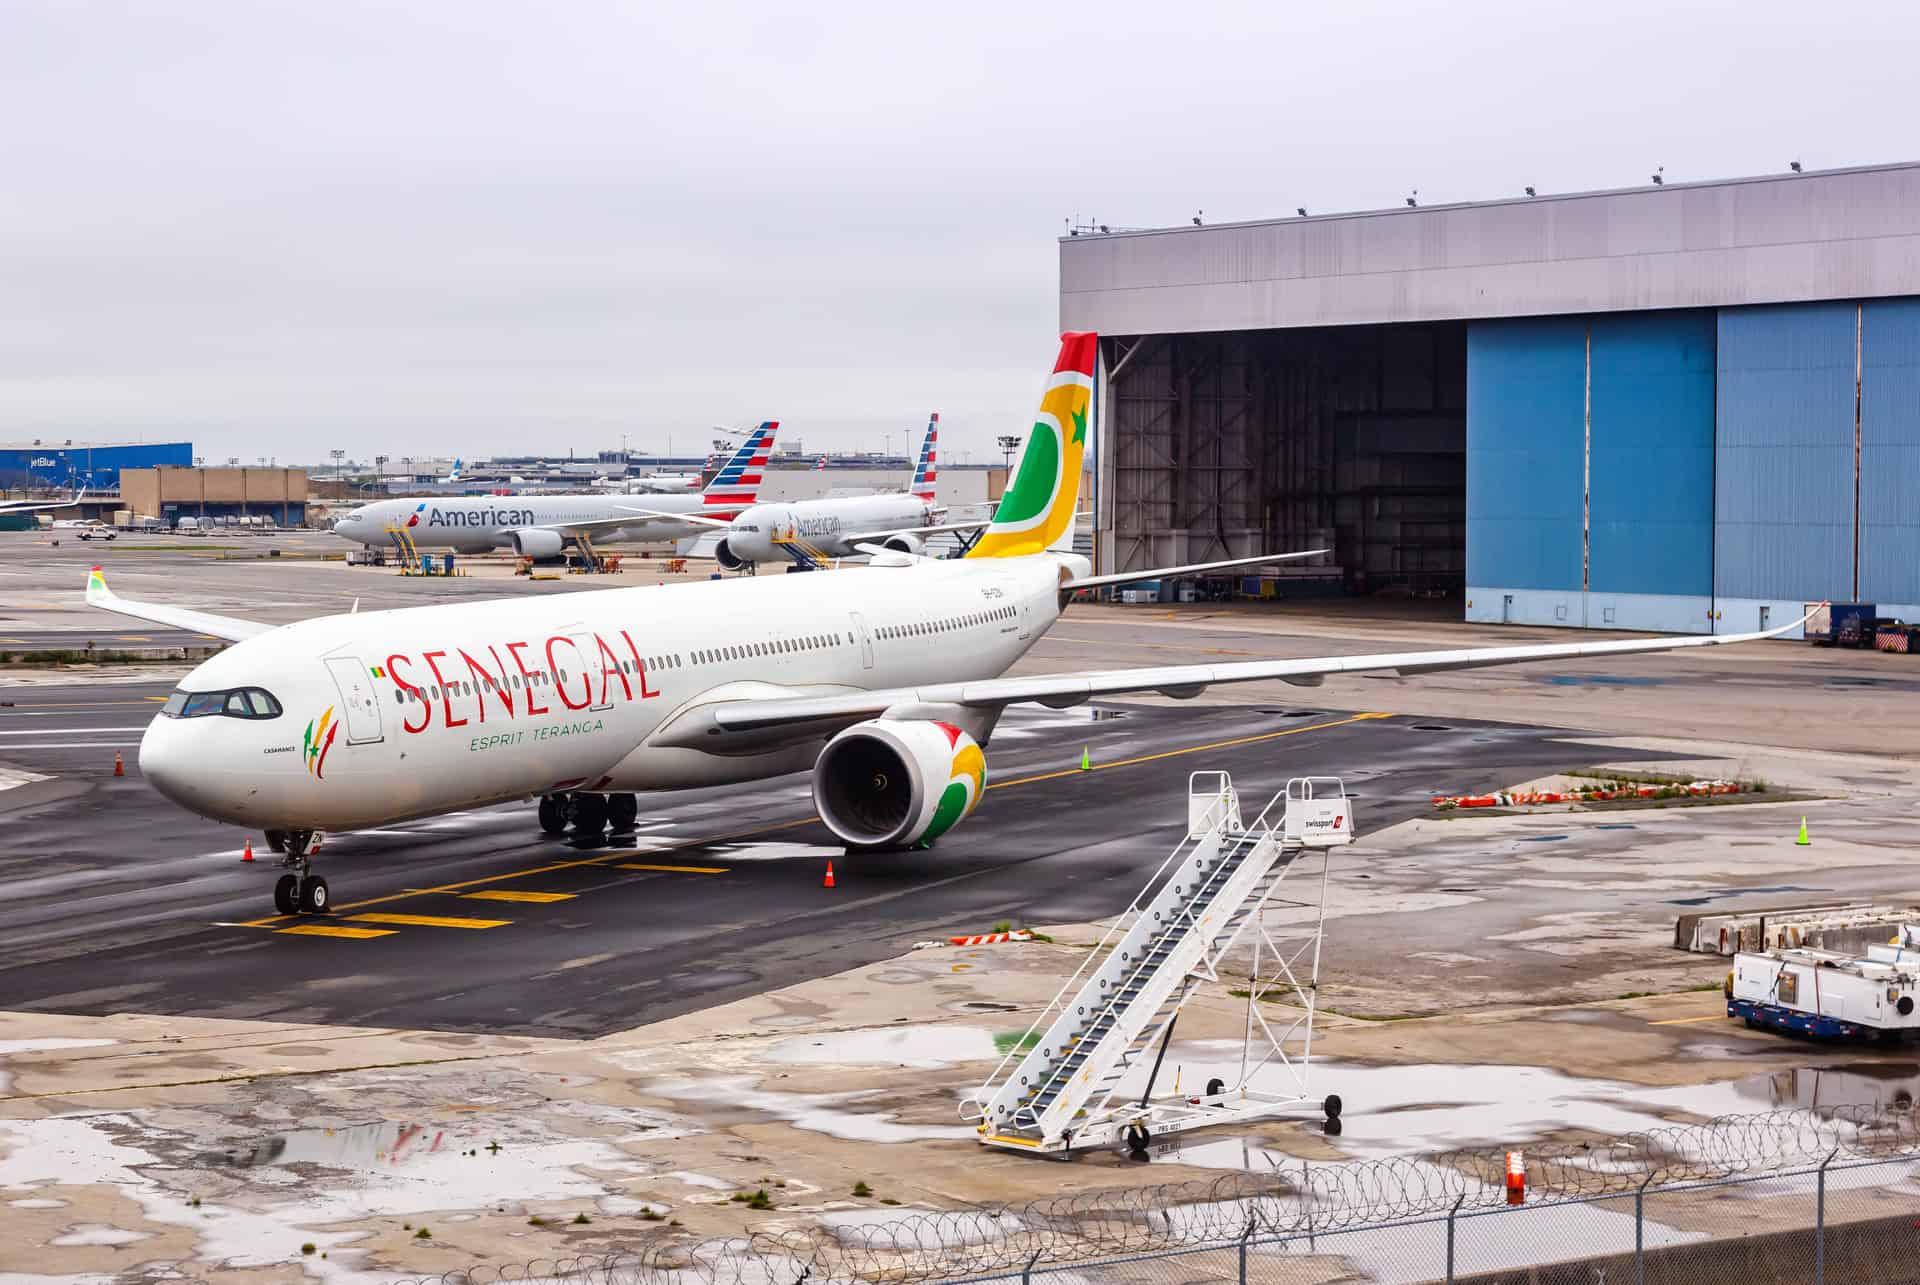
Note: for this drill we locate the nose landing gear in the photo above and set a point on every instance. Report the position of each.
(300, 892)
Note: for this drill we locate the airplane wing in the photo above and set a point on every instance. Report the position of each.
(735, 726)
(31, 506)
(693, 519)
(200, 622)
(591, 526)
(940, 529)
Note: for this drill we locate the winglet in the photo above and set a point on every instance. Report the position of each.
(97, 592)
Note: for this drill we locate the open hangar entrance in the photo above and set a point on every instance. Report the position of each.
(1348, 438)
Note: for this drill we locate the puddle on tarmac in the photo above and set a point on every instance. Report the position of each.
(834, 1114)
(919, 1047)
(1415, 1110)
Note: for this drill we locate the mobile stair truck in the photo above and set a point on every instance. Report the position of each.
(1109, 1027)
(1830, 995)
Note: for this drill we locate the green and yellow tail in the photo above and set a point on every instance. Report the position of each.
(1037, 511)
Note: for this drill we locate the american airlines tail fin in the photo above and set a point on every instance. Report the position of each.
(924, 473)
(737, 484)
(1036, 512)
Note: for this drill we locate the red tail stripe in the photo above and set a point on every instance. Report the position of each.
(1077, 348)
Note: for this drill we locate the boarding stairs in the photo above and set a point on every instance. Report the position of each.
(806, 556)
(409, 551)
(1060, 1086)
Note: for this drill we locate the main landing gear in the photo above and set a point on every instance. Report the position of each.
(588, 814)
(300, 891)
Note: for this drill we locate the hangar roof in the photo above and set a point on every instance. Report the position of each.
(1777, 238)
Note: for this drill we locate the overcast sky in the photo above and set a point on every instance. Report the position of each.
(278, 228)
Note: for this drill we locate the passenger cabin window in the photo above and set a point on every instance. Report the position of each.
(236, 702)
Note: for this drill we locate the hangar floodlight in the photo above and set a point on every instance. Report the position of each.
(1659, 176)
(1301, 210)
(1530, 189)
(1413, 199)
(1794, 166)
(1196, 217)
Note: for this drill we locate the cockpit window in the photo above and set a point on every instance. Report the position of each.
(238, 702)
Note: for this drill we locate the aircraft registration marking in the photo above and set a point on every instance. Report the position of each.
(677, 870)
(507, 894)
(335, 930)
(429, 921)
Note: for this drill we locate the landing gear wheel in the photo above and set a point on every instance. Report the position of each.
(1331, 1107)
(1137, 1142)
(553, 813)
(622, 811)
(589, 815)
(314, 898)
(285, 898)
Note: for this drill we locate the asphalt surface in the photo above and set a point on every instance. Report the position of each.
(112, 900)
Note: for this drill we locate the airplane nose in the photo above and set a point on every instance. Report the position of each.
(172, 764)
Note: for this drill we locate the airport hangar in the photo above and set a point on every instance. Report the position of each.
(1685, 407)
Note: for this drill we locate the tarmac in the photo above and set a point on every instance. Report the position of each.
(652, 1041)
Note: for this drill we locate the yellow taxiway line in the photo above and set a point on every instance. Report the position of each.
(624, 860)
(530, 898)
(1688, 1021)
(429, 921)
(335, 930)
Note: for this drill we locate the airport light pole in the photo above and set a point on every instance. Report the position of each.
(1009, 443)
(338, 457)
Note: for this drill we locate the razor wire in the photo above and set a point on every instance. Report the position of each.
(1293, 1197)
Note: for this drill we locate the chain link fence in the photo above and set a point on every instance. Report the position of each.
(1785, 1196)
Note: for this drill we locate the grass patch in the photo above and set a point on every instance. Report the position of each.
(861, 1190)
(652, 1216)
(423, 1234)
(1007, 1041)
(581, 1220)
(536, 1221)
(308, 1248)
(753, 1200)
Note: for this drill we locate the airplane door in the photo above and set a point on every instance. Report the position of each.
(358, 700)
(592, 663)
(866, 640)
(1026, 620)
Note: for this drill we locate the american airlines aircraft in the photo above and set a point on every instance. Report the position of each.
(543, 526)
(802, 531)
(885, 681)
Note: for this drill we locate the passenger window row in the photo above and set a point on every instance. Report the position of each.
(926, 628)
(776, 647)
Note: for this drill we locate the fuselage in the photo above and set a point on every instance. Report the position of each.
(383, 716)
(828, 526)
(478, 523)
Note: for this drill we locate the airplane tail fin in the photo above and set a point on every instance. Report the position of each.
(1036, 513)
(924, 473)
(737, 485)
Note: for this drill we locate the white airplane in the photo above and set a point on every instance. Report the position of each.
(650, 484)
(803, 532)
(885, 681)
(34, 506)
(543, 526)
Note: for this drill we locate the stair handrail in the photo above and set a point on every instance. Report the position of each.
(1020, 1047)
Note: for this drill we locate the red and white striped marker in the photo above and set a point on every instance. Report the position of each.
(990, 939)
(1516, 1178)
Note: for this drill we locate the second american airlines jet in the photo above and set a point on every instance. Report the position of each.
(544, 526)
(885, 682)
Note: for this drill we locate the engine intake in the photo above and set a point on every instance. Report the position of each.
(904, 543)
(537, 544)
(726, 557)
(893, 784)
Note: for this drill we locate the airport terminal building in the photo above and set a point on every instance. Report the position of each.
(1681, 407)
(69, 465)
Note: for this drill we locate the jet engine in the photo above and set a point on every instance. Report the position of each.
(904, 543)
(537, 544)
(726, 556)
(893, 784)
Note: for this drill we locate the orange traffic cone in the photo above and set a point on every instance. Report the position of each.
(828, 881)
(119, 768)
(1516, 1178)
(247, 855)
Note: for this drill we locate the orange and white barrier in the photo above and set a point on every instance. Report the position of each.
(1516, 1178)
(1590, 794)
(990, 939)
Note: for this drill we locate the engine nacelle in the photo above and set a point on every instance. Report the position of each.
(538, 545)
(726, 557)
(904, 543)
(888, 784)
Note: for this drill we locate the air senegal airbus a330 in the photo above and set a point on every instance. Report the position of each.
(884, 681)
